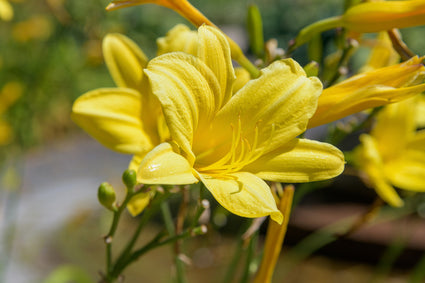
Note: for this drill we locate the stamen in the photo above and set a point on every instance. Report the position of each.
(241, 152)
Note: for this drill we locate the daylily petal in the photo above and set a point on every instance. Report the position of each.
(162, 166)
(420, 111)
(112, 116)
(298, 162)
(408, 172)
(418, 141)
(124, 59)
(185, 86)
(395, 126)
(272, 109)
(214, 50)
(369, 160)
(179, 38)
(382, 186)
(243, 194)
(138, 203)
(242, 77)
(384, 15)
(336, 103)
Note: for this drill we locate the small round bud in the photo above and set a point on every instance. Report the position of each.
(129, 178)
(106, 196)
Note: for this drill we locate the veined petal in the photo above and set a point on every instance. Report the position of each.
(185, 86)
(369, 161)
(179, 38)
(112, 116)
(214, 50)
(243, 194)
(337, 103)
(125, 60)
(272, 109)
(300, 161)
(408, 171)
(162, 166)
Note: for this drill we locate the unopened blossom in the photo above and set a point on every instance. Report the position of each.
(369, 17)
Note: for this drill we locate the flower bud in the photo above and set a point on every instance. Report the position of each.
(129, 178)
(106, 196)
(255, 30)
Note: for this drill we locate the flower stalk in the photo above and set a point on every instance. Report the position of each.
(274, 238)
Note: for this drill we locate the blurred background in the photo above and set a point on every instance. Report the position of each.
(51, 225)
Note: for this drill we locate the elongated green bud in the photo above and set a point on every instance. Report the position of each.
(129, 178)
(255, 30)
(106, 196)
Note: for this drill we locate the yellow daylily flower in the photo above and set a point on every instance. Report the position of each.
(369, 17)
(6, 10)
(370, 89)
(231, 143)
(394, 153)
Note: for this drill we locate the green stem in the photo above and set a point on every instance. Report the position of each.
(109, 237)
(154, 243)
(247, 65)
(249, 258)
(308, 32)
(230, 273)
(123, 259)
(169, 224)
